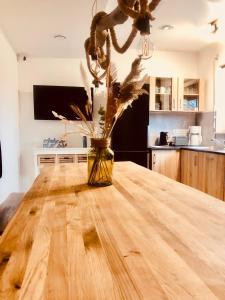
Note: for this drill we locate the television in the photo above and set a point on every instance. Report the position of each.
(59, 98)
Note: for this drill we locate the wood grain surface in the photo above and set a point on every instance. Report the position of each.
(144, 237)
(8, 209)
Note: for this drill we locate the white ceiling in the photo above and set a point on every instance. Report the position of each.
(30, 25)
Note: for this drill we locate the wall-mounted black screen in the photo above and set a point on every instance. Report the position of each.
(58, 99)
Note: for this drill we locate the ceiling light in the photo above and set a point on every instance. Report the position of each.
(60, 37)
(166, 27)
(145, 47)
(103, 34)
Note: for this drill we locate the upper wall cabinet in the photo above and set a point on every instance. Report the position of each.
(163, 94)
(176, 94)
(190, 94)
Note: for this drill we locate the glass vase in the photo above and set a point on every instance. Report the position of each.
(100, 163)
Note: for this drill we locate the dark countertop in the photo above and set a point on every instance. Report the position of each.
(209, 149)
(165, 147)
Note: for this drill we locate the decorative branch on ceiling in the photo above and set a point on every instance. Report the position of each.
(102, 33)
(215, 26)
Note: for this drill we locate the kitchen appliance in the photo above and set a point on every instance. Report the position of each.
(195, 136)
(180, 137)
(180, 141)
(84, 140)
(163, 138)
(130, 134)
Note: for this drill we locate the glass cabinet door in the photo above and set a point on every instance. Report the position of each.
(189, 94)
(162, 93)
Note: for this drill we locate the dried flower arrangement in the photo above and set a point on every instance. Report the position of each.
(119, 97)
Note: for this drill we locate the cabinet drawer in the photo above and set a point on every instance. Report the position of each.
(81, 158)
(46, 159)
(65, 158)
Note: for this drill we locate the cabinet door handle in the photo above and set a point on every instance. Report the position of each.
(154, 159)
(148, 160)
(210, 158)
(195, 161)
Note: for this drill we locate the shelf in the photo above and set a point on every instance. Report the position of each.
(53, 156)
(161, 110)
(176, 111)
(190, 110)
(167, 94)
(64, 151)
(191, 95)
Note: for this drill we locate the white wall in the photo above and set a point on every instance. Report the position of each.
(206, 66)
(210, 59)
(32, 132)
(219, 92)
(163, 63)
(67, 72)
(9, 130)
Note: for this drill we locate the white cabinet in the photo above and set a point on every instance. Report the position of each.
(50, 156)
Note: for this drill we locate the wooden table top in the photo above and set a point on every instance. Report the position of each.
(145, 237)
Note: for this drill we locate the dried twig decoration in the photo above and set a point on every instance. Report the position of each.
(126, 44)
(93, 42)
(102, 61)
(102, 27)
(214, 24)
(119, 97)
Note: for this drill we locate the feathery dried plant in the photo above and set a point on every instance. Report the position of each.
(119, 97)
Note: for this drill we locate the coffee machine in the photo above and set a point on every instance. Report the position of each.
(195, 135)
(163, 139)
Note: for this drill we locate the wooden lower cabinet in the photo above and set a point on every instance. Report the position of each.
(189, 168)
(201, 170)
(167, 162)
(211, 174)
(204, 171)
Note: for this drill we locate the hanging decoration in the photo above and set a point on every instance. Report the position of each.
(214, 25)
(103, 34)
